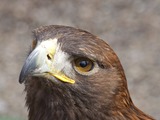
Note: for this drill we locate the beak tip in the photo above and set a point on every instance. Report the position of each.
(20, 81)
(21, 78)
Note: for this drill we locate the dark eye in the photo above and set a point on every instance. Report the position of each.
(83, 65)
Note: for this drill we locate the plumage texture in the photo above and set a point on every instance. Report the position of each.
(100, 96)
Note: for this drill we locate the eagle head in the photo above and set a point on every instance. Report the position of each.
(70, 74)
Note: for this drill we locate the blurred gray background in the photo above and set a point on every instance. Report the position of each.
(131, 27)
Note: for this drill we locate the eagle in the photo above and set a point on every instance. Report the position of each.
(71, 74)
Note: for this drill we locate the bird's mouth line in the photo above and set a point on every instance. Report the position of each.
(52, 76)
(61, 76)
(46, 75)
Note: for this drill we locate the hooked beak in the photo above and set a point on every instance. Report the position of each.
(40, 63)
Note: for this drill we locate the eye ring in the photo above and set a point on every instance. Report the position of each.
(83, 65)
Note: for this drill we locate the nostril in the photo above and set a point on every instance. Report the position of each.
(49, 57)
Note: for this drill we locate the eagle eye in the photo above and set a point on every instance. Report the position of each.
(83, 65)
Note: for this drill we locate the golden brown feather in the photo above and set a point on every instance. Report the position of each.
(95, 91)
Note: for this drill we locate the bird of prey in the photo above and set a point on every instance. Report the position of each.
(70, 74)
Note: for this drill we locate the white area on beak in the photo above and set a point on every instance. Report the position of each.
(61, 60)
(50, 44)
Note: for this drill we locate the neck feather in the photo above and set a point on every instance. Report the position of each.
(47, 102)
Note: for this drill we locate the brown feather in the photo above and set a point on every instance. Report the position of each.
(101, 96)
